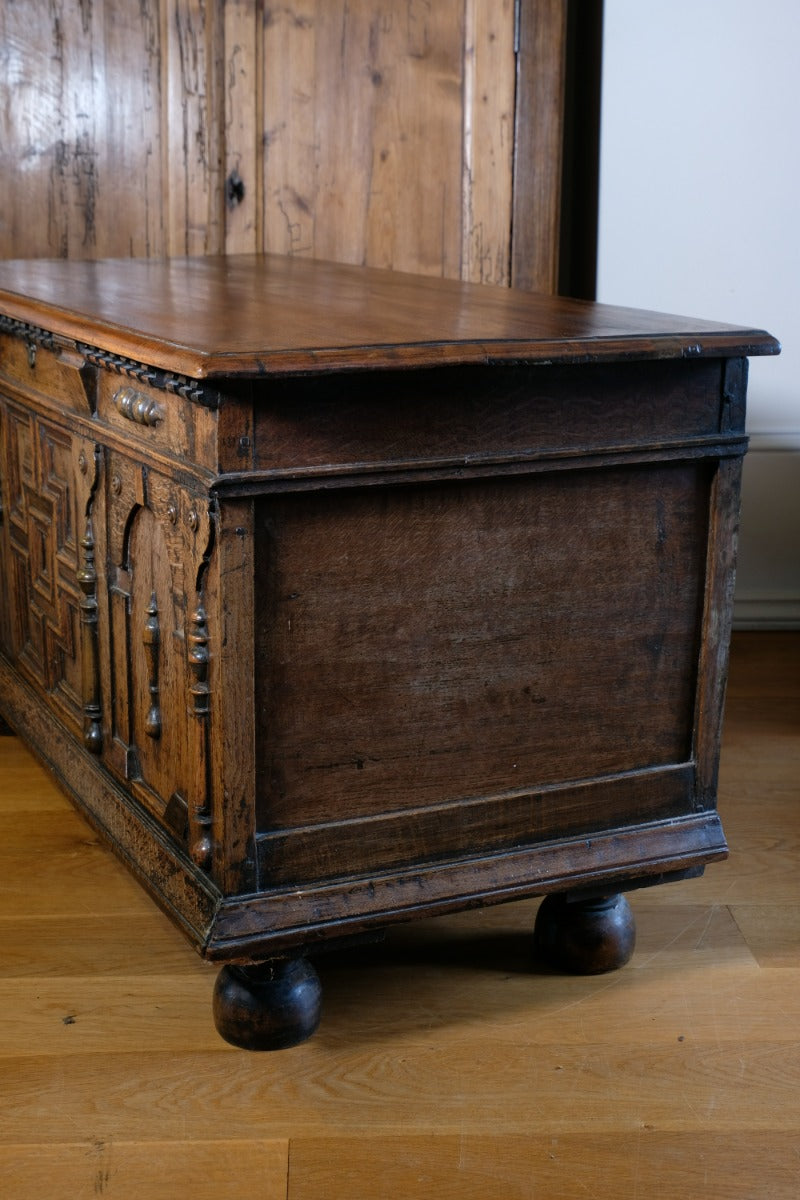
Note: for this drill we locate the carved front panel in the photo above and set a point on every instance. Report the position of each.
(159, 539)
(48, 481)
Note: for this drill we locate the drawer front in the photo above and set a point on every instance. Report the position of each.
(52, 376)
(175, 421)
(158, 421)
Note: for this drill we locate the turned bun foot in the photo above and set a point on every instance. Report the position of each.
(267, 1007)
(584, 937)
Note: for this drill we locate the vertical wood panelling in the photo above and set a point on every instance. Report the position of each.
(363, 116)
(396, 133)
(192, 39)
(80, 129)
(489, 94)
(413, 189)
(541, 65)
(289, 35)
(243, 122)
(133, 173)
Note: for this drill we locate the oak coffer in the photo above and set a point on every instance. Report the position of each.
(336, 597)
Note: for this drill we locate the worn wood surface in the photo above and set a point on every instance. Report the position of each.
(311, 675)
(82, 141)
(444, 1064)
(454, 609)
(255, 315)
(365, 131)
(536, 204)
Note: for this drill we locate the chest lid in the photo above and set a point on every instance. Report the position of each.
(256, 315)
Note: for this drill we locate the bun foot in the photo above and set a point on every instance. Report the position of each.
(267, 1007)
(584, 937)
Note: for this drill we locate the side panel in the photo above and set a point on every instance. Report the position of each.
(463, 652)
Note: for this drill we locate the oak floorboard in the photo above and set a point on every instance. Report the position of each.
(203, 1170)
(26, 785)
(59, 864)
(111, 1016)
(447, 1063)
(474, 1086)
(643, 1165)
(772, 932)
(59, 946)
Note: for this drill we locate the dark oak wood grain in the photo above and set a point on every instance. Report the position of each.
(338, 597)
(364, 131)
(454, 607)
(254, 315)
(538, 137)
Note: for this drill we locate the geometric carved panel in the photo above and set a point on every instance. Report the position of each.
(42, 553)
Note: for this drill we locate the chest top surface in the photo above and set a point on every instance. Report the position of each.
(256, 315)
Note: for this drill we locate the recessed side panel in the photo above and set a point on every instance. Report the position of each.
(424, 646)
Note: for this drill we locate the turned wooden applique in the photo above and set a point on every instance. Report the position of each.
(87, 476)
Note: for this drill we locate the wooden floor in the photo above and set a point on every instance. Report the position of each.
(446, 1066)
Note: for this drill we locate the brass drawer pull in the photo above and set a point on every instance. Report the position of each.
(136, 406)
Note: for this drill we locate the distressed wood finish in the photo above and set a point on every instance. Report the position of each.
(275, 315)
(323, 636)
(366, 131)
(538, 134)
(82, 143)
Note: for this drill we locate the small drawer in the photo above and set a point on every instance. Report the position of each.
(164, 423)
(52, 375)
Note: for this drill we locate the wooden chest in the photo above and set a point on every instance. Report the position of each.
(336, 597)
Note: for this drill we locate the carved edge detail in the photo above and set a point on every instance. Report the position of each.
(32, 334)
(166, 381)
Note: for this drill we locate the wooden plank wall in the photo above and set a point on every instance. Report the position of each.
(399, 133)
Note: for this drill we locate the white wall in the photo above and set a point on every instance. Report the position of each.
(700, 214)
